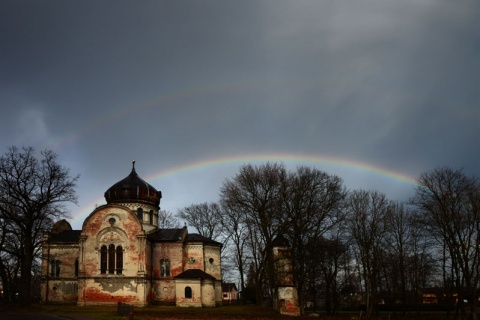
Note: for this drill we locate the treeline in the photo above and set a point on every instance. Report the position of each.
(348, 243)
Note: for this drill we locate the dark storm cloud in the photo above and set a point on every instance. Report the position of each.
(390, 83)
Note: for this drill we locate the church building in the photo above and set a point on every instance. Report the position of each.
(120, 255)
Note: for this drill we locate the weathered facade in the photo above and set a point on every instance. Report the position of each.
(286, 299)
(120, 255)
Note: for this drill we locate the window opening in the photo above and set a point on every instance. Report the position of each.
(165, 267)
(188, 292)
(52, 268)
(150, 216)
(103, 260)
(57, 271)
(119, 259)
(55, 268)
(111, 259)
(140, 214)
(76, 267)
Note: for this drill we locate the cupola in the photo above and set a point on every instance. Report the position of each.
(133, 189)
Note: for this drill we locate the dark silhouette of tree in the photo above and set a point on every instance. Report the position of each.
(167, 220)
(449, 202)
(408, 265)
(9, 263)
(397, 250)
(234, 226)
(333, 274)
(205, 218)
(344, 242)
(267, 201)
(33, 192)
(312, 201)
(256, 192)
(367, 224)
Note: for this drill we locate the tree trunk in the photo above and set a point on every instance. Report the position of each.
(6, 283)
(26, 272)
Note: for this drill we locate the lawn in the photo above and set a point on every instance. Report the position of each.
(231, 312)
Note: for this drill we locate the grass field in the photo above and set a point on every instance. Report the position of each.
(231, 312)
(152, 312)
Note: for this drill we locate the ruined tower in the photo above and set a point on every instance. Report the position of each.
(286, 301)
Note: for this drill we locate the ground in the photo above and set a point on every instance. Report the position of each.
(231, 312)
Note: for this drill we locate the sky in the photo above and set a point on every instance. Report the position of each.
(374, 91)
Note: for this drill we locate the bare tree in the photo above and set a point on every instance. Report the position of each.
(422, 263)
(167, 220)
(312, 202)
(368, 213)
(329, 255)
(397, 251)
(205, 218)
(33, 193)
(450, 203)
(9, 263)
(234, 226)
(256, 192)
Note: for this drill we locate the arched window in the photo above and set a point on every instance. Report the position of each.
(111, 259)
(76, 267)
(103, 260)
(165, 267)
(188, 293)
(119, 259)
(150, 216)
(140, 214)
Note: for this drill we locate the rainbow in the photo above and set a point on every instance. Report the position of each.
(304, 159)
(286, 158)
(169, 99)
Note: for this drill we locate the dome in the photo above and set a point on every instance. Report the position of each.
(61, 226)
(133, 189)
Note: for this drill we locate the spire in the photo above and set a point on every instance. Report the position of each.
(133, 166)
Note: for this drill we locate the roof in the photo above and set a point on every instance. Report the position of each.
(228, 286)
(167, 235)
(194, 274)
(195, 237)
(280, 241)
(174, 235)
(133, 189)
(60, 226)
(67, 236)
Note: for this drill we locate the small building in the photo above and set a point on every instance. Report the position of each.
(229, 292)
(286, 297)
(120, 255)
